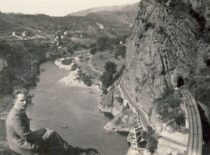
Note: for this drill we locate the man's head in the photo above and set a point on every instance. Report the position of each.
(20, 99)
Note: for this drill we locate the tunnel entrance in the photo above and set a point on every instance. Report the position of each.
(180, 82)
(208, 62)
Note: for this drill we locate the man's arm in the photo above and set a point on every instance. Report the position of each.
(24, 133)
(20, 128)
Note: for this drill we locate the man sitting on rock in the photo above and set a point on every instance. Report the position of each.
(40, 142)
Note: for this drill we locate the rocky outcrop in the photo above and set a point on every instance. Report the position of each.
(113, 104)
(167, 49)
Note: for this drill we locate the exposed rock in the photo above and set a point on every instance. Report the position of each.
(166, 50)
(115, 105)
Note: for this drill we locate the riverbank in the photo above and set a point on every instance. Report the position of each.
(73, 79)
(73, 112)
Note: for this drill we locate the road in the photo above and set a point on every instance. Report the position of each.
(195, 133)
(143, 117)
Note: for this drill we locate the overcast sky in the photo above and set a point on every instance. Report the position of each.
(55, 7)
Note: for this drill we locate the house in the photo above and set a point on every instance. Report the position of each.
(13, 33)
(25, 33)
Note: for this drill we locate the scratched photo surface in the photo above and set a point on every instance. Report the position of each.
(104, 77)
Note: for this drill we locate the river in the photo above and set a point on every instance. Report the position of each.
(72, 112)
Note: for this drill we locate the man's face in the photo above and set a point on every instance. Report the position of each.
(21, 101)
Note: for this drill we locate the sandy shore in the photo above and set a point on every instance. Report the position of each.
(72, 78)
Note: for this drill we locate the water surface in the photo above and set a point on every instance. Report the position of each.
(73, 113)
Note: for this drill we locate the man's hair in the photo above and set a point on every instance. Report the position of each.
(19, 91)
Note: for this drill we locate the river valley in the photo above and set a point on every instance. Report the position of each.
(72, 112)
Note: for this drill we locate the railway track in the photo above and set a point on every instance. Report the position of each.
(195, 127)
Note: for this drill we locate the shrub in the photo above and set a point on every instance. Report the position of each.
(108, 76)
(102, 43)
(151, 140)
(110, 67)
(168, 107)
(101, 56)
(93, 50)
(149, 25)
(120, 51)
(74, 67)
(87, 79)
(67, 61)
(107, 79)
(119, 99)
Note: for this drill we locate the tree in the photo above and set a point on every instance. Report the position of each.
(120, 51)
(151, 141)
(110, 67)
(107, 79)
(102, 43)
(108, 76)
(93, 50)
(151, 144)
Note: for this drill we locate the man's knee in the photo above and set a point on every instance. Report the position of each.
(49, 133)
(53, 133)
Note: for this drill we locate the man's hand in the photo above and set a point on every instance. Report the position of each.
(47, 134)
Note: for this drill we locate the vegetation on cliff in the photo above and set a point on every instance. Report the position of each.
(168, 43)
(23, 60)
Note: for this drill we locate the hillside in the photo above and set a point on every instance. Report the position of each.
(110, 9)
(167, 50)
(20, 57)
(114, 22)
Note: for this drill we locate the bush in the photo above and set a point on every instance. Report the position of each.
(151, 140)
(111, 67)
(93, 50)
(119, 99)
(74, 67)
(23, 60)
(168, 107)
(107, 79)
(103, 43)
(67, 61)
(151, 144)
(120, 51)
(149, 25)
(87, 79)
(180, 120)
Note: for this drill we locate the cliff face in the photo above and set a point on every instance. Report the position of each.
(169, 47)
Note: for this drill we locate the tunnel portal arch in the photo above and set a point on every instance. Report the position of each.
(180, 82)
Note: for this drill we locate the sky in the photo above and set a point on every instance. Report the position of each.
(55, 7)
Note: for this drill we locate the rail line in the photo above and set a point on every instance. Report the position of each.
(195, 126)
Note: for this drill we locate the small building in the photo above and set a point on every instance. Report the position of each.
(66, 33)
(101, 26)
(25, 33)
(13, 33)
(57, 37)
(60, 47)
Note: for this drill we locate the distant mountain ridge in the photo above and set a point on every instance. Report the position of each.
(118, 8)
(115, 20)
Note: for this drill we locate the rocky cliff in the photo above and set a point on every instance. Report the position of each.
(169, 47)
